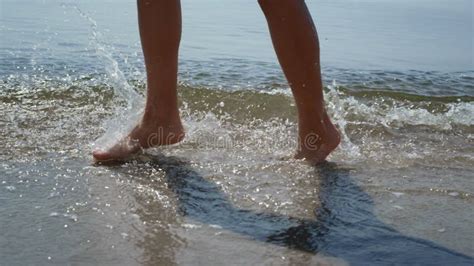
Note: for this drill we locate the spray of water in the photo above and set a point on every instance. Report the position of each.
(125, 117)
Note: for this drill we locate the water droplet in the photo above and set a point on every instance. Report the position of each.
(398, 194)
(215, 226)
(191, 226)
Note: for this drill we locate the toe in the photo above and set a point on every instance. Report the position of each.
(100, 155)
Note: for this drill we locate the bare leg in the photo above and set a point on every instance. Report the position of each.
(296, 43)
(160, 32)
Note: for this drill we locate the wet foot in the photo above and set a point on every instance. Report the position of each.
(143, 136)
(314, 147)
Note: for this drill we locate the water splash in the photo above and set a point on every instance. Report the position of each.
(125, 117)
(337, 111)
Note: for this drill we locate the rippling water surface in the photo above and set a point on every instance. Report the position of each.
(399, 81)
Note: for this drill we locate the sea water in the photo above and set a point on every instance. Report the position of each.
(399, 83)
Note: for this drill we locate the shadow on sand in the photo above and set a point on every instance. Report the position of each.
(344, 227)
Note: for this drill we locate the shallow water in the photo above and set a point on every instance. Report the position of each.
(399, 189)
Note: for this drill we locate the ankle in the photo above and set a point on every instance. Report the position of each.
(163, 119)
(317, 129)
(311, 129)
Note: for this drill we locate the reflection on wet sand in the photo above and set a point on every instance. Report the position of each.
(345, 226)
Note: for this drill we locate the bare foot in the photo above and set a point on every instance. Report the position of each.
(314, 148)
(143, 136)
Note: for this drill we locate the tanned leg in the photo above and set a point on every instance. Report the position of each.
(160, 32)
(296, 44)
